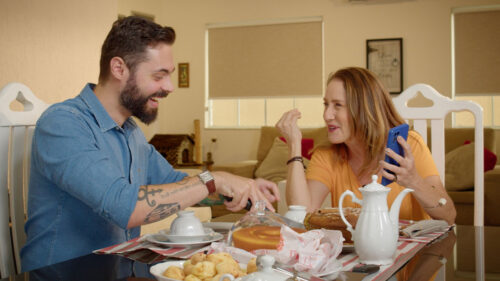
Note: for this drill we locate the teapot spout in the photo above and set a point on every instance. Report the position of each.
(394, 212)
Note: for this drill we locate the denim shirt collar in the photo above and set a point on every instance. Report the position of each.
(102, 117)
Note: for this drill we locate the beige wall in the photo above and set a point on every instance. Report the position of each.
(54, 48)
(425, 26)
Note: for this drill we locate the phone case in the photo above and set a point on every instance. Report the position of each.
(392, 143)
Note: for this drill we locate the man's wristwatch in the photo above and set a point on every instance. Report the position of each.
(208, 180)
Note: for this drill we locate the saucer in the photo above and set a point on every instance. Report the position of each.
(209, 233)
(160, 239)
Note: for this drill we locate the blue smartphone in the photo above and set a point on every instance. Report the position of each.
(392, 143)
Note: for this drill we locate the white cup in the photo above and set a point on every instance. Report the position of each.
(186, 224)
(296, 213)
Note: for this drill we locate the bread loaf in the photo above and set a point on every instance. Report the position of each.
(330, 219)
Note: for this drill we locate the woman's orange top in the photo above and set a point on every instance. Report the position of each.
(339, 177)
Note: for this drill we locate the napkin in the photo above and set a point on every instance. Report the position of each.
(314, 251)
(424, 227)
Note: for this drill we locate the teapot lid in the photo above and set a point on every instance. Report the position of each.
(374, 185)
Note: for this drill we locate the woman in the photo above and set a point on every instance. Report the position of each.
(358, 114)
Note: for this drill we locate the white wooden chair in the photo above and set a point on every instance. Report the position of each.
(436, 113)
(16, 132)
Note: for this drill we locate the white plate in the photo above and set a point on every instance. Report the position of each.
(158, 269)
(160, 239)
(187, 238)
(332, 274)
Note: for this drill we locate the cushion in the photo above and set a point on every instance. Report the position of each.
(307, 146)
(459, 168)
(274, 167)
(490, 159)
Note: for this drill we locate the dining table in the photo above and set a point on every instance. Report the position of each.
(451, 256)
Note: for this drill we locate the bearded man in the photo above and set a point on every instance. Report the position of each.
(94, 179)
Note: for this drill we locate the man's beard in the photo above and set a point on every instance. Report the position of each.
(132, 99)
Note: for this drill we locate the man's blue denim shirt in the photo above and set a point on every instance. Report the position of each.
(84, 180)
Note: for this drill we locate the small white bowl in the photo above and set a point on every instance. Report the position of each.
(296, 213)
(208, 233)
(186, 224)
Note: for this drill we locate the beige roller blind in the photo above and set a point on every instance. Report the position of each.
(266, 60)
(477, 52)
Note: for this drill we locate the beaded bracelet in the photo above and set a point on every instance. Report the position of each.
(296, 158)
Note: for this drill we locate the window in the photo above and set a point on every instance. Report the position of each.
(254, 113)
(476, 63)
(257, 71)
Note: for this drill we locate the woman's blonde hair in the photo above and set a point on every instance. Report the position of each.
(372, 112)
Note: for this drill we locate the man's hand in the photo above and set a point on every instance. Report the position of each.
(242, 189)
(269, 189)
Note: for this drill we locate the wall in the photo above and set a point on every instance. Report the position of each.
(425, 26)
(53, 46)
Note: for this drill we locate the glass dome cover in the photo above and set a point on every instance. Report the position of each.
(258, 229)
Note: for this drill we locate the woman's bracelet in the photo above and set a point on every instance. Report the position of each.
(296, 158)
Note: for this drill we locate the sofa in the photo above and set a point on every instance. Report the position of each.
(270, 163)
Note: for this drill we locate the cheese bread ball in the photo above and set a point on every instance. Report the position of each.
(188, 267)
(191, 277)
(228, 266)
(219, 257)
(252, 266)
(198, 257)
(204, 269)
(174, 272)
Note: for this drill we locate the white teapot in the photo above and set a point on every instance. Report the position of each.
(265, 273)
(376, 235)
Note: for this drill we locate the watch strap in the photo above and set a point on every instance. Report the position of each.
(208, 180)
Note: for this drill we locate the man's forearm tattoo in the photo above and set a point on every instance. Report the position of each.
(145, 192)
(162, 211)
(182, 182)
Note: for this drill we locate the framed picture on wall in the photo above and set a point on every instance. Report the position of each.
(384, 57)
(183, 75)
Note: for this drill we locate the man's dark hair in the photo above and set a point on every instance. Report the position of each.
(128, 39)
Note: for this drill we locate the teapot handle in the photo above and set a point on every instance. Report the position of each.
(341, 200)
(226, 276)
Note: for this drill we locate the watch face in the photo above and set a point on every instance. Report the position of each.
(206, 176)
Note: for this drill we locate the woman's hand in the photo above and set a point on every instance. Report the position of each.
(429, 192)
(288, 127)
(406, 174)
